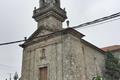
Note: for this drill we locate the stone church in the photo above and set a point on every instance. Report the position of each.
(54, 53)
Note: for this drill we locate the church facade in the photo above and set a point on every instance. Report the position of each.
(54, 53)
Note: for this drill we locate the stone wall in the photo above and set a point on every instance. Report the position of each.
(80, 62)
(94, 62)
(66, 57)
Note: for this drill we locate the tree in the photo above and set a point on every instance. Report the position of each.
(112, 66)
(98, 78)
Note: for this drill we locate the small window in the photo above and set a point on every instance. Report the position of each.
(43, 73)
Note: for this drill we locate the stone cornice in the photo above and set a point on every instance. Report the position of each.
(36, 39)
(50, 10)
(32, 40)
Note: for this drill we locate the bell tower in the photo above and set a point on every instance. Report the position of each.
(49, 15)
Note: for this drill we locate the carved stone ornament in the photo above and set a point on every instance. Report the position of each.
(43, 56)
(47, 2)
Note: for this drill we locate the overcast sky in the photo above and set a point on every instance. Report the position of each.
(16, 23)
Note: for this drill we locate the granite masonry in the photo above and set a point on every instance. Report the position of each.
(54, 53)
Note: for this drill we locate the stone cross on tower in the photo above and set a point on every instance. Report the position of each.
(46, 2)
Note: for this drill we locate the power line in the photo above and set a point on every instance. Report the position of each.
(99, 20)
(82, 25)
(13, 42)
(100, 23)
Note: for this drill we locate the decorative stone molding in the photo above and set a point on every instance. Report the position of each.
(43, 56)
(49, 10)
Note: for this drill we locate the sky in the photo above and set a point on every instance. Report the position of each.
(16, 23)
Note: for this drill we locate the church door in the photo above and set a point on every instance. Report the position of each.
(43, 73)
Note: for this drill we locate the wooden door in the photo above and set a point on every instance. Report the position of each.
(43, 73)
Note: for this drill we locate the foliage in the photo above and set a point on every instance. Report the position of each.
(112, 66)
(98, 78)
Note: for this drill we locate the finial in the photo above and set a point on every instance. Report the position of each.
(68, 23)
(64, 9)
(25, 38)
(34, 8)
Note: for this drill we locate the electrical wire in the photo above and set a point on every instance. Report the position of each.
(100, 20)
(13, 42)
(95, 22)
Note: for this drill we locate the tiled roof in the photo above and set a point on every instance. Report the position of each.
(111, 48)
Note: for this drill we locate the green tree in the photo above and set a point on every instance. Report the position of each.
(112, 66)
(98, 78)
